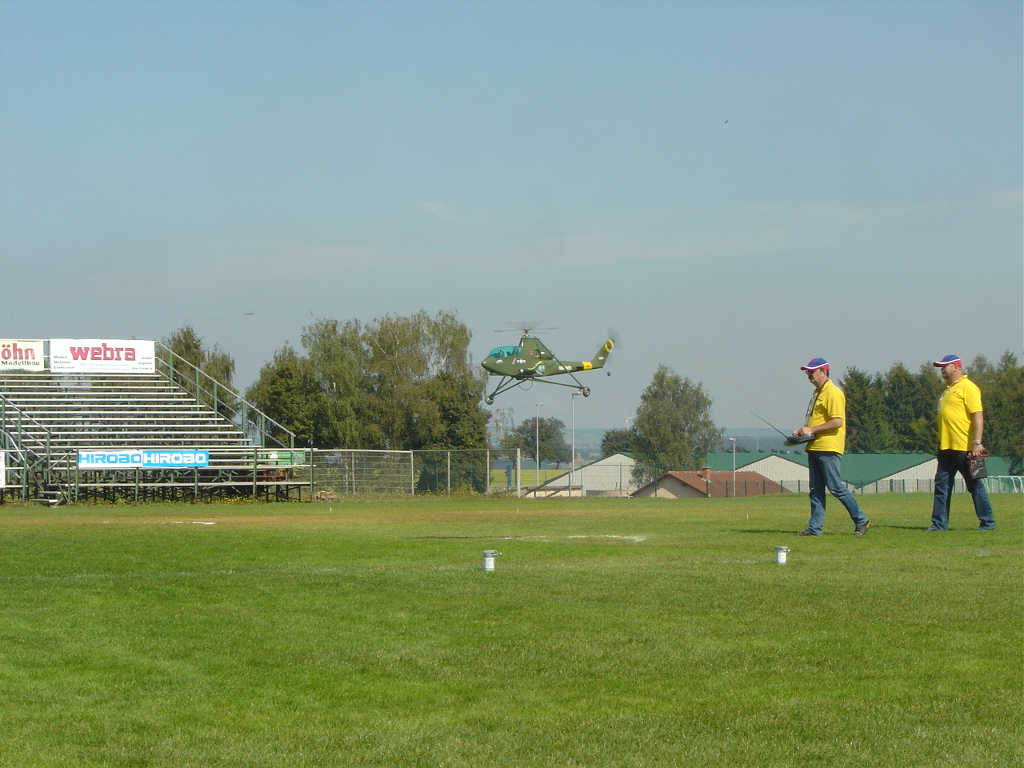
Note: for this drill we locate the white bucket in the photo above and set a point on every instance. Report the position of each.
(489, 555)
(780, 555)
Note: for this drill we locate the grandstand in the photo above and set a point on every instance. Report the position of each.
(153, 427)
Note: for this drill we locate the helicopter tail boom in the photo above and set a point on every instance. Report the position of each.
(600, 357)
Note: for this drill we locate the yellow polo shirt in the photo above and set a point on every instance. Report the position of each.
(829, 403)
(956, 406)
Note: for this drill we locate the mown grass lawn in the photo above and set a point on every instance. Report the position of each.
(612, 633)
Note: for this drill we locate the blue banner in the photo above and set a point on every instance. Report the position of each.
(143, 458)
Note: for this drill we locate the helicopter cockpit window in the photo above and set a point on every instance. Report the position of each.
(504, 352)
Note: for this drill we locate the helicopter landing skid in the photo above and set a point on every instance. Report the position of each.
(508, 383)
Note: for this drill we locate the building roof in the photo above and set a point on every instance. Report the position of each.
(721, 482)
(857, 469)
(606, 473)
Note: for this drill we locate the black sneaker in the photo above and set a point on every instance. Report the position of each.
(934, 528)
(808, 532)
(987, 527)
(860, 530)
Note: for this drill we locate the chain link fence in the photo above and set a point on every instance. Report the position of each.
(389, 473)
(337, 473)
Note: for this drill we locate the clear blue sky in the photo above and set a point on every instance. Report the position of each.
(734, 187)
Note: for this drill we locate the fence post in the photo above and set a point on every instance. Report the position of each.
(312, 476)
(412, 474)
(519, 459)
(487, 471)
(449, 473)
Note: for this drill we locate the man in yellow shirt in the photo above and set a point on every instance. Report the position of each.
(961, 423)
(826, 421)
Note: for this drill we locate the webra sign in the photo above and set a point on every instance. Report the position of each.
(102, 356)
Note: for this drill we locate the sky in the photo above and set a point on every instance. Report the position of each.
(732, 188)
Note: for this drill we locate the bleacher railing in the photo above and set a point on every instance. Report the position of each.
(257, 426)
(31, 452)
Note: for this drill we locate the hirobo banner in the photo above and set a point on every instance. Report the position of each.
(143, 458)
(102, 356)
(21, 355)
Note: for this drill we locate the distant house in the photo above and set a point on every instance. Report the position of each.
(863, 472)
(610, 476)
(707, 482)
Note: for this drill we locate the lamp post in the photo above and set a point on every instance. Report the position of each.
(572, 454)
(536, 438)
(733, 441)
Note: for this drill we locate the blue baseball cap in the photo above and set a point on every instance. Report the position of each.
(949, 360)
(815, 363)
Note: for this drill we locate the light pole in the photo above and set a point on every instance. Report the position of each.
(536, 438)
(572, 454)
(733, 441)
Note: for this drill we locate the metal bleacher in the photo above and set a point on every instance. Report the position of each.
(47, 418)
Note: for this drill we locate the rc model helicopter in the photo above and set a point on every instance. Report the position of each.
(532, 361)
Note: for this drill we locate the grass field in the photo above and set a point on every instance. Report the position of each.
(612, 633)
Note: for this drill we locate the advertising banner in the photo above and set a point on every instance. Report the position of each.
(143, 458)
(102, 356)
(3, 469)
(21, 355)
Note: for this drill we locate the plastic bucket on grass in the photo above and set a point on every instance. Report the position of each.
(489, 555)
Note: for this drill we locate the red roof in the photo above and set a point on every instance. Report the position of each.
(747, 483)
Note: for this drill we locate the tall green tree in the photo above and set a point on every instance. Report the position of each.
(399, 382)
(674, 429)
(868, 423)
(217, 364)
(924, 430)
(288, 392)
(337, 361)
(410, 361)
(618, 441)
(909, 407)
(1002, 392)
(552, 440)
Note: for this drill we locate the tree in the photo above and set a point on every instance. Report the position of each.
(287, 391)
(868, 424)
(400, 382)
(618, 441)
(1002, 391)
(552, 440)
(412, 364)
(336, 362)
(910, 407)
(673, 426)
(217, 364)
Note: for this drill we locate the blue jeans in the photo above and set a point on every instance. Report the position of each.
(824, 466)
(951, 462)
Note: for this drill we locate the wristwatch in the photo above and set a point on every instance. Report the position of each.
(977, 442)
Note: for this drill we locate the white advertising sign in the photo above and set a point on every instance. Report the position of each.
(102, 356)
(21, 355)
(144, 458)
(3, 469)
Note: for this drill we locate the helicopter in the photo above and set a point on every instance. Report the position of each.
(532, 361)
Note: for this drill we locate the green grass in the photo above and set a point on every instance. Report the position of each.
(528, 477)
(612, 633)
